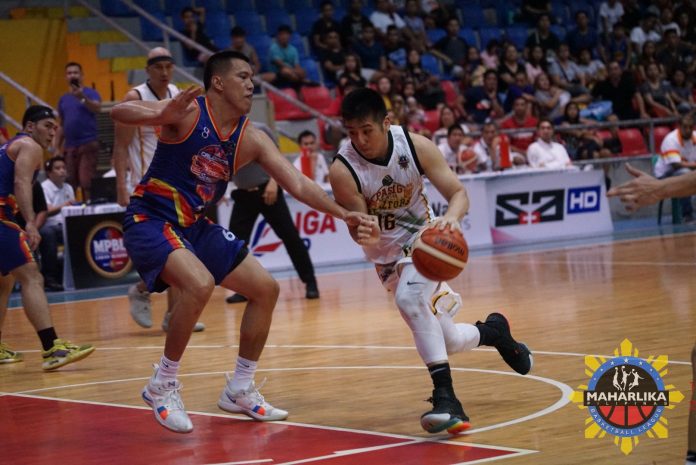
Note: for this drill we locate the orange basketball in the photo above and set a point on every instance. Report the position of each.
(440, 255)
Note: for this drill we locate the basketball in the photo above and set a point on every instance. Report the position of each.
(467, 158)
(440, 255)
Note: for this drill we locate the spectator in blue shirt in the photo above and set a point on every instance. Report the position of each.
(483, 102)
(582, 36)
(285, 60)
(370, 51)
(78, 139)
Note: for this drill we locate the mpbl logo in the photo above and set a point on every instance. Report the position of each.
(307, 223)
(583, 199)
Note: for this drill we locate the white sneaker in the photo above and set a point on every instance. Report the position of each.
(140, 306)
(166, 404)
(197, 328)
(445, 300)
(250, 402)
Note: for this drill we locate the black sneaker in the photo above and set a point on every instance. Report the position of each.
(515, 354)
(236, 299)
(312, 291)
(447, 413)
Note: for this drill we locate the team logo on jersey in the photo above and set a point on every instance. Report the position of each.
(626, 397)
(403, 161)
(387, 181)
(390, 197)
(210, 165)
(105, 251)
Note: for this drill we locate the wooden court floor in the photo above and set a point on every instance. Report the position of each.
(346, 364)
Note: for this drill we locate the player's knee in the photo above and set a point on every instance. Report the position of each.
(29, 275)
(410, 303)
(201, 288)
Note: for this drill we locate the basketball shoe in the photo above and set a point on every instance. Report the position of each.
(445, 300)
(197, 328)
(250, 402)
(447, 413)
(8, 355)
(64, 352)
(515, 354)
(165, 400)
(140, 306)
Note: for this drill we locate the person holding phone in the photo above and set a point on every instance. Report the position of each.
(78, 138)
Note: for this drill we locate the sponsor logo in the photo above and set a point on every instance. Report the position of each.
(105, 251)
(308, 223)
(390, 197)
(526, 208)
(626, 397)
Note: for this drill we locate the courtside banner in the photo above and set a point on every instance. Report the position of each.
(541, 205)
(475, 224)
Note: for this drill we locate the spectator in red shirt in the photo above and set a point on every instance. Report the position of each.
(520, 118)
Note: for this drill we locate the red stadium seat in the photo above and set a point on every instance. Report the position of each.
(632, 142)
(659, 134)
(432, 120)
(451, 93)
(318, 98)
(285, 110)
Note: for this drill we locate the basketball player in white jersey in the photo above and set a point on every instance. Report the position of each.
(134, 147)
(379, 171)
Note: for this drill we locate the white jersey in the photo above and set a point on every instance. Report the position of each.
(393, 191)
(142, 147)
(675, 150)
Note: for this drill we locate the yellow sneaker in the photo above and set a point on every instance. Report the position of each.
(8, 355)
(64, 352)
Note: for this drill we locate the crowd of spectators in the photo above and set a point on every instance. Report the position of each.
(631, 59)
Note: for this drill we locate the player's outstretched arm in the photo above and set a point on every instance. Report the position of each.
(346, 193)
(164, 112)
(444, 180)
(644, 190)
(259, 147)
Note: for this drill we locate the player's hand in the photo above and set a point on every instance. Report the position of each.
(638, 192)
(33, 235)
(368, 232)
(445, 222)
(270, 193)
(122, 196)
(180, 106)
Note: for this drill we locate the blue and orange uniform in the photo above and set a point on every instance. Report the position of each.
(167, 209)
(13, 240)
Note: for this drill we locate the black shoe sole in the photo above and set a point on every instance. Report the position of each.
(516, 354)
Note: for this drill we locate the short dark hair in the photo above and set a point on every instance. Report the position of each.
(284, 28)
(454, 127)
(545, 120)
(187, 9)
(363, 103)
(324, 3)
(305, 133)
(48, 166)
(489, 72)
(36, 113)
(238, 31)
(73, 63)
(218, 63)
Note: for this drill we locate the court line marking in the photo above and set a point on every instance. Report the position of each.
(595, 262)
(350, 347)
(566, 390)
(515, 451)
(243, 463)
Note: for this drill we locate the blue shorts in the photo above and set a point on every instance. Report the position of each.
(149, 242)
(15, 247)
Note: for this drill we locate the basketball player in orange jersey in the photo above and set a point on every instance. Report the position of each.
(645, 190)
(204, 140)
(134, 148)
(379, 171)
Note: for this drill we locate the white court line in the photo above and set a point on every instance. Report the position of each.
(564, 388)
(595, 262)
(302, 425)
(243, 463)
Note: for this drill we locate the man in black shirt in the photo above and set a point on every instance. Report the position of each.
(193, 20)
(322, 26)
(543, 36)
(620, 89)
(353, 24)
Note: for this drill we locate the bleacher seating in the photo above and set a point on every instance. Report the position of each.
(251, 22)
(237, 6)
(517, 35)
(277, 18)
(632, 142)
(153, 7)
(486, 34)
(432, 120)
(659, 135)
(317, 97)
(285, 110)
(211, 6)
(451, 93)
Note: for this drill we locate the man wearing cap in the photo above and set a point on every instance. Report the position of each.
(20, 160)
(79, 138)
(134, 147)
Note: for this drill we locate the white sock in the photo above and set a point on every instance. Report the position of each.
(167, 371)
(458, 337)
(243, 374)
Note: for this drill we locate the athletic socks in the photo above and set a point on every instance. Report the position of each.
(47, 337)
(441, 375)
(488, 335)
(167, 370)
(243, 374)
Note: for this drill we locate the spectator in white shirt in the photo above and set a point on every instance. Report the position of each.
(458, 155)
(58, 194)
(315, 167)
(545, 152)
(610, 13)
(383, 17)
(646, 31)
